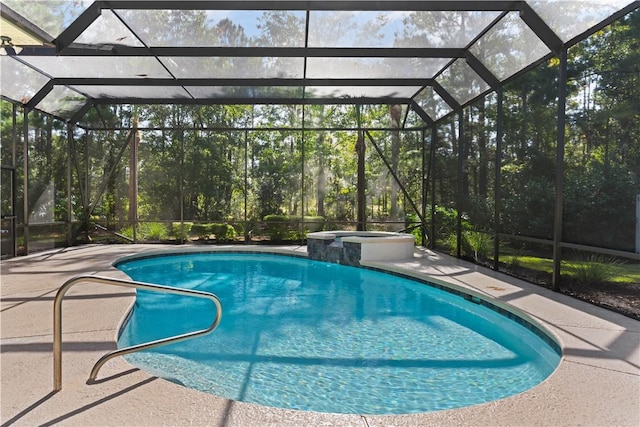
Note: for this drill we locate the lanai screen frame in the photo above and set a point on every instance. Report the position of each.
(64, 45)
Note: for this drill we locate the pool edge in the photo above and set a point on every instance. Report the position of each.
(504, 309)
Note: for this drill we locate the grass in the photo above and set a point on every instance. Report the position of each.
(616, 272)
(147, 231)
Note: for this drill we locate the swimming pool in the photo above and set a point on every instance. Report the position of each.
(311, 335)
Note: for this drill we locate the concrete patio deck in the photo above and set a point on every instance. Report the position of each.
(596, 384)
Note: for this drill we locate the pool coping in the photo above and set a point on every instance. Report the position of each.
(596, 383)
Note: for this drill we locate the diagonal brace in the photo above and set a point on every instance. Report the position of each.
(404, 190)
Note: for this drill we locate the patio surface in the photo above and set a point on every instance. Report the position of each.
(596, 384)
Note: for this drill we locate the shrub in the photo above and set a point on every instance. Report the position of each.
(412, 225)
(478, 245)
(127, 231)
(473, 244)
(450, 243)
(201, 231)
(147, 231)
(223, 232)
(276, 218)
(277, 227)
(592, 270)
(153, 231)
(515, 260)
(175, 230)
(445, 221)
(287, 227)
(313, 223)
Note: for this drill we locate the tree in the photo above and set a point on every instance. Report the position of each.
(603, 150)
(395, 111)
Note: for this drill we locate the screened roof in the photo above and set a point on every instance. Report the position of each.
(63, 57)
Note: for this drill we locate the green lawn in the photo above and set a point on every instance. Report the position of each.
(616, 272)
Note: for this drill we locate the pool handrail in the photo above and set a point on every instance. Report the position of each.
(57, 321)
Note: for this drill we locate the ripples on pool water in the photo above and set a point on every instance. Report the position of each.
(317, 336)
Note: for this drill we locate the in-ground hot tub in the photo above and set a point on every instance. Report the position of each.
(351, 247)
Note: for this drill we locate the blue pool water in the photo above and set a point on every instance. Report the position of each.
(310, 335)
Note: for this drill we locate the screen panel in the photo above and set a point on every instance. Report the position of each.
(509, 47)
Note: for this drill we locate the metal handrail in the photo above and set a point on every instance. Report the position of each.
(57, 322)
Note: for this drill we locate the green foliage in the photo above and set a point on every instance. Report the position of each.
(153, 231)
(594, 269)
(445, 220)
(277, 227)
(314, 223)
(127, 231)
(176, 227)
(481, 211)
(287, 227)
(201, 231)
(203, 169)
(602, 201)
(616, 270)
(223, 232)
(477, 244)
(276, 218)
(528, 198)
(147, 231)
(279, 157)
(449, 243)
(515, 261)
(514, 258)
(412, 223)
(473, 244)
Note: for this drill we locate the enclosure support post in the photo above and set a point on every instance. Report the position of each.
(74, 160)
(14, 137)
(69, 186)
(133, 178)
(497, 206)
(557, 220)
(306, 45)
(395, 113)
(459, 184)
(425, 188)
(302, 155)
(87, 186)
(14, 184)
(182, 236)
(432, 172)
(25, 179)
(247, 235)
(360, 150)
